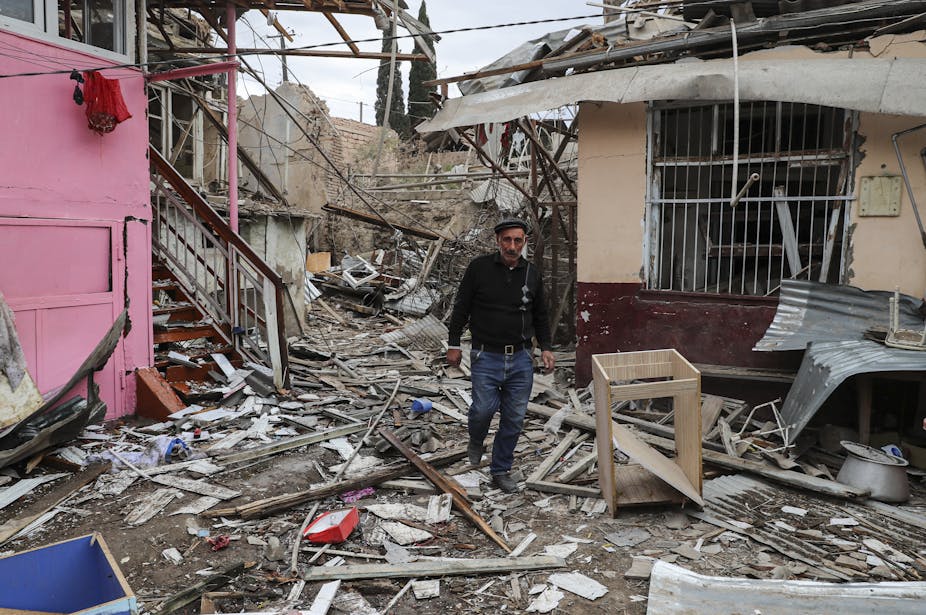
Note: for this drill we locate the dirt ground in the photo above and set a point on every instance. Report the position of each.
(604, 547)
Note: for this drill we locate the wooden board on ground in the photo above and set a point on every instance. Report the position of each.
(639, 487)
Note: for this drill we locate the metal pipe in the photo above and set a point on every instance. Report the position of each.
(906, 178)
(739, 195)
(230, 18)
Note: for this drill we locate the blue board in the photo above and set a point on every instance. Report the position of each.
(73, 576)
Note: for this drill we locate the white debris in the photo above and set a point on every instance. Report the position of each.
(426, 589)
(405, 535)
(546, 601)
(578, 584)
(561, 550)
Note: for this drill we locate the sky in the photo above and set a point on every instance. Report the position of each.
(346, 82)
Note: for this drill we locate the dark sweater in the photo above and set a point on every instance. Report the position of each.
(492, 299)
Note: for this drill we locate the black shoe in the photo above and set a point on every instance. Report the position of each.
(475, 453)
(505, 482)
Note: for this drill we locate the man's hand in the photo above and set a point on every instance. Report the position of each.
(548, 361)
(454, 356)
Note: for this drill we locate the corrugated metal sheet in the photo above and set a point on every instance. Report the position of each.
(876, 85)
(814, 312)
(827, 364)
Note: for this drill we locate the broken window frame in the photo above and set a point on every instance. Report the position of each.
(163, 122)
(743, 251)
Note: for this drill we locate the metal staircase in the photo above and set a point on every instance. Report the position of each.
(239, 295)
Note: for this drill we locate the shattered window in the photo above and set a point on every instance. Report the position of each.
(793, 168)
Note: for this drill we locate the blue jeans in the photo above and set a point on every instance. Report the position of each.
(500, 382)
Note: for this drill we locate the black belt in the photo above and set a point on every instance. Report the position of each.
(507, 349)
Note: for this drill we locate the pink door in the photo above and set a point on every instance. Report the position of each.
(64, 281)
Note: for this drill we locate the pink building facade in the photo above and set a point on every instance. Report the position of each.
(75, 215)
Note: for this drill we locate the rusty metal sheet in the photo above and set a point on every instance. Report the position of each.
(878, 85)
(815, 312)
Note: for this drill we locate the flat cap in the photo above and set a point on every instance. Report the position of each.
(511, 223)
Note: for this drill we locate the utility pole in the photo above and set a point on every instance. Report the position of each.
(283, 56)
(361, 112)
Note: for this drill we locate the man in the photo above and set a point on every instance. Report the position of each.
(501, 298)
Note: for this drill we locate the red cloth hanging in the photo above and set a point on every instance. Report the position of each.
(105, 105)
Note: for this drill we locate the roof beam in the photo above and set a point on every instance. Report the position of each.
(312, 53)
(347, 39)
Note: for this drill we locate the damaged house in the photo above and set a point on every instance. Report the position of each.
(720, 159)
(152, 195)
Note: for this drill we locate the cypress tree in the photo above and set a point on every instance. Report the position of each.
(398, 121)
(419, 104)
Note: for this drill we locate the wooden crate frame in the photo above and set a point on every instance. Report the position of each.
(682, 382)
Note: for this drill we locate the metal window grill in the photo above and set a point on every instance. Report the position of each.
(791, 223)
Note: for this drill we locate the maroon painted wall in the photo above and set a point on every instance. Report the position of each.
(712, 329)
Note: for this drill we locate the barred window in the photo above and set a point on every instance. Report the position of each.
(790, 223)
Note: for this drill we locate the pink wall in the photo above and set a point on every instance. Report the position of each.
(74, 220)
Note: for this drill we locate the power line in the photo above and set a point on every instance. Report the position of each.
(367, 40)
(316, 46)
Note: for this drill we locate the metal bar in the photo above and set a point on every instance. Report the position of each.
(827, 156)
(193, 71)
(906, 178)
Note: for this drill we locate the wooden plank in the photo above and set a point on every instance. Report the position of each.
(603, 436)
(787, 477)
(656, 462)
(50, 500)
(184, 484)
(635, 371)
(363, 217)
(563, 488)
(24, 486)
(192, 593)
(553, 457)
(687, 422)
(579, 467)
(711, 406)
(291, 443)
(279, 503)
(498, 565)
(654, 390)
(640, 487)
(439, 481)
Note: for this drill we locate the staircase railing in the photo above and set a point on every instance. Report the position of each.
(219, 271)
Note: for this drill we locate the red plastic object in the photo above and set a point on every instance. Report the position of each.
(332, 527)
(219, 542)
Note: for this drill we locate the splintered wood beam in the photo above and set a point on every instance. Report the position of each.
(280, 503)
(57, 495)
(309, 53)
(444, 485)
(192, 593)
(337, 26)
(492, 565)
(359, 215)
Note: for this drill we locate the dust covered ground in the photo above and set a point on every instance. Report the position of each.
(577, 529)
